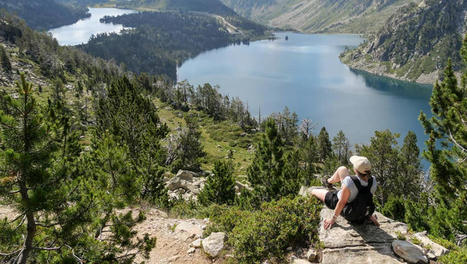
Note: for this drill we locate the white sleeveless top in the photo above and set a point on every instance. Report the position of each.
(348, 182)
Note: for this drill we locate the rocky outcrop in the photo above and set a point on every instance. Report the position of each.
(345, 243)
(186, 184)
(415, 43)
(214, 244)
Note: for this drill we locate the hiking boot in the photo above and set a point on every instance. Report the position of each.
(325, 183)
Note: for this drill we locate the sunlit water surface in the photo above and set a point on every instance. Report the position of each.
(306, 75)
(81, 31)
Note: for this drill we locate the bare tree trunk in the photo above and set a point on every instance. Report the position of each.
(31, 226)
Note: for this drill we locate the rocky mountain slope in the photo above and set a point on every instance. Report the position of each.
(415, 43)
(208, 6)
(350, 16)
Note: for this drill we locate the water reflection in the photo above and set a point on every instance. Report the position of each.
(81, 31)
(395, 87)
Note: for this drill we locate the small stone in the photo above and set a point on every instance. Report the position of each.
(191, 251)
(312, 255)
(409, 252)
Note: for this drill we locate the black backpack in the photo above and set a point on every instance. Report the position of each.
(362, 207)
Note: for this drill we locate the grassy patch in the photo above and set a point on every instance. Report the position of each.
(219, 138)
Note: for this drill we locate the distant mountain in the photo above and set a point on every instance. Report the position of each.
(207, 6)
(350, 16)
(44, 14)
(415, 43)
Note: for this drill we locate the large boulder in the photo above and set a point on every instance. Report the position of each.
(367, 243)
(214, 244)
(409, 252)
(185, 184)
(346, 243)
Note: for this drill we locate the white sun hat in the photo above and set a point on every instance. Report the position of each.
(361, 164)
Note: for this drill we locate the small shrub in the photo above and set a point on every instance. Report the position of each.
(458, 256)
(267, 233)
(400, 236)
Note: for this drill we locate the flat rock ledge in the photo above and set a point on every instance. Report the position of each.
(348, 244)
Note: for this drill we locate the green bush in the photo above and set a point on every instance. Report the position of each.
(458, 256)
(220, 186)
(394, 208)
(267, 233)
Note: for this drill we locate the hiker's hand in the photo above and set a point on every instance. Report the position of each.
(374, 219)
(328, 223)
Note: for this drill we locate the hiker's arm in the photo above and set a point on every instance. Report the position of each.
(340, 205)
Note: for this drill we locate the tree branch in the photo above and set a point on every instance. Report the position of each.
(18, 217)
(46, 226)
(74, 255)
(47, 248)
(12, 253)
(455, 142)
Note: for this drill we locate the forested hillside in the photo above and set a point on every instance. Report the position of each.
(205, 6)
(44, 14)
(416, 43)
(161, 41)
(348, 16)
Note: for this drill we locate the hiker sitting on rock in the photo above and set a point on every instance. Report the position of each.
(355, 200)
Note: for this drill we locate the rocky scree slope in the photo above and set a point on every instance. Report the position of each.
(343, 16)
(415, 43)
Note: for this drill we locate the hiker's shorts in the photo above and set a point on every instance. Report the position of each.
(330, 200)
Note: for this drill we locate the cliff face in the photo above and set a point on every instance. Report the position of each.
(349, 16)
(415, 43)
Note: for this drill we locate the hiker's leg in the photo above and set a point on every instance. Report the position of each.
(319, 193)
(339, 175)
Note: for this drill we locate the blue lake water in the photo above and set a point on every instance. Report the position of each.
(81, 31)
(306, 75)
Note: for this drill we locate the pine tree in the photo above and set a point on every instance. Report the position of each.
(272, 174)
(310, 156)
(48, 182)
(27, 153)
(410, 170)
(6, 64)
(220, 186)
(324, 145)
(448, 129)
(341, 147)
(189, 150)
(125, 113)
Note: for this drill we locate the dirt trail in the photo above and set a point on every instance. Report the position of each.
(174, 237)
